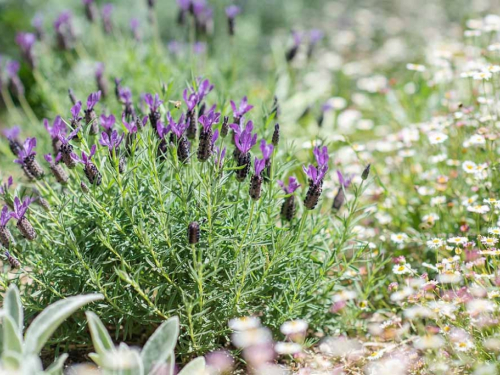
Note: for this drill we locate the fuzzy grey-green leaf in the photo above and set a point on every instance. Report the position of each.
(13, 307)
(49, 320)
(160, 344)
(56, 368)
(195, 367)
(12, 339)
(100, 336)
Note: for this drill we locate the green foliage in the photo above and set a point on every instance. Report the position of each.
(20, 355)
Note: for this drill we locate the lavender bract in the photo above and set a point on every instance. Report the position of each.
(239, 112)
(339, 198)
(205, 147)
(5, 235)
(90, 115)
(91, 171)
(66, 149)
(231, 12)
(58, 127)
(12, 136)
(26, 41)
(59, 173)
(19, 214)
(26, 158)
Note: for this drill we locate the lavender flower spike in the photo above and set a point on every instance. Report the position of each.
(205, 148)
(107, 122)
(75, 113)
(15, 84)
(239, 112)
(153, 103)
(59, 127)
(90, 10)
(66, 148)
(91, 171)
(5, 187)
(59, 173)
(102, 85)
(292, 52)
(244, 141)
(316, 176)
(231, 12)
(112, 142)
(23, 224)
(5, 234)
(26, 41)
(12, 136)
(256, 181)
(289, 206)
(26, 158)
(107, 10)
(90, 115)
(267, 149)
(339, 199)
(321, 155)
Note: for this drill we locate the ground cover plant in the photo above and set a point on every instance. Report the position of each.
(330, 189)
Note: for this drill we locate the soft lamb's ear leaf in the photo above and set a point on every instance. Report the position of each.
(56, 368)
(195, 367)
(11, 360)
(51, 318)
(161, 344)
(13, 307)
(12, 340)
(95, 357)
(100, 337)
(32, 365)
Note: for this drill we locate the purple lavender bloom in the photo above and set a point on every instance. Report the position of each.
(58, 127)
(15, 84)
(184, 4)
(232, 11)
(85, 159)
(178, 128)
(27, 150)
(64, 30)
(20, 209)
(125, 95)
(259, 165)
(292, 52)
(204, 89)
(315, 35)
(92, 100)
(314, 174)
(111, 141)
(345, 181)
(51, 160)
(153, 102)
(244, 107)
(12, 134)
(209, 119)
(134, 27)
(267, 149)
(90, 10)
(5, 216)
(25, 41)
(199, 48)
(5, 187)
(75, 112)
(297, 37)
(107, 10)
(292, 185)
(107, 122)
(99, 70)
(191, 100)
(131, 126)
(37, 23)
(245, 140)
(65, 140)
(321, 155)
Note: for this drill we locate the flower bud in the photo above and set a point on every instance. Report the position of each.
(193, 233)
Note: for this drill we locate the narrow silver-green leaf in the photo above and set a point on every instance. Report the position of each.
(161, 344)
(12, 339)
(13, 307)
(51, 318)
(100, 337)
(195, 367)
(56, 368)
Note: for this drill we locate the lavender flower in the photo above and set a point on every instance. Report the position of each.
(90, 115)
(64, 30)
(5, 235)
(26, 41)
(37, 23)
(58, 127)
(75, 113)
(267, 151)
(256, 181)
(107, 10)
(178, 129)
(66, 148)
(204, 88)
(339, 199)
(224, 129)
(184, 6)
(125, 96)
(132, 128)
(134, 27)
(154, 104)
(205, 148)
(91, 171)
(231, 12)
(289, 205)
(292, 52)
(14, 263)
(72, 97)
(321, 155)
(199, 48)
(90, 10)
(276, 135)
(26, 158)
(59, 173)
(15, 84)
(366, 172)
(112, 142)
(244, 141)
(5, 187)
(316, 176)
(12, 135)
(315, 36)
(19, 214)
(193, 233)
(239, 112)
(107, 122)
(102, 85)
